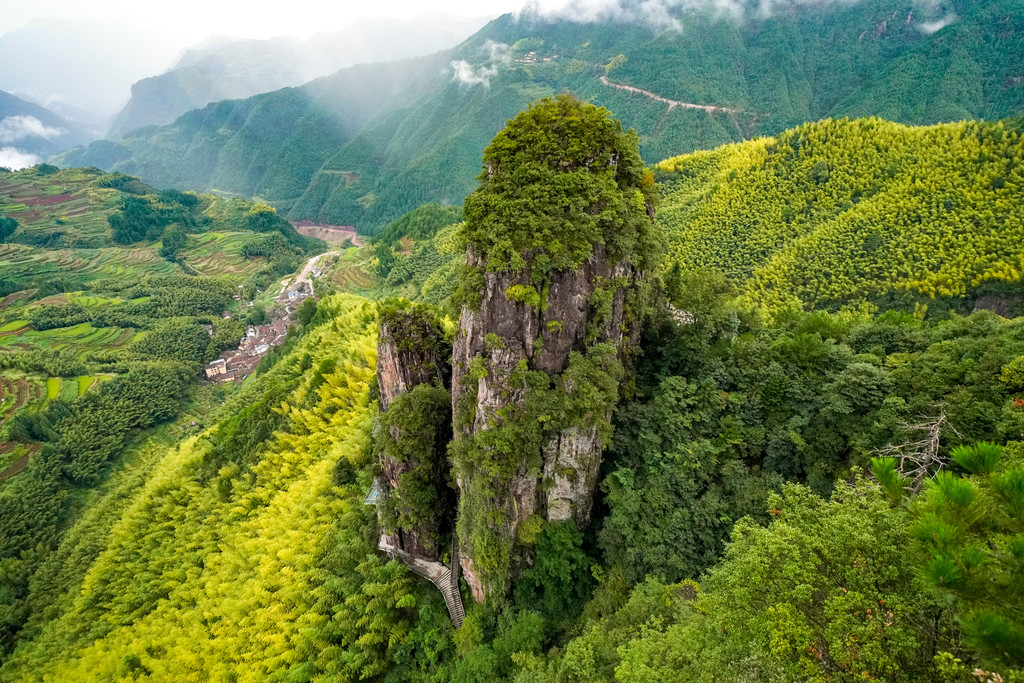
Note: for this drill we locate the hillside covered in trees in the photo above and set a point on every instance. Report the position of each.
(367, 144)
(838, 213)
(791, 488)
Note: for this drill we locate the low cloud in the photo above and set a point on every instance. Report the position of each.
(930, 27)
(15, 128)
(15, 159)
(654, 13)
(663, 15)
(497, 54)
(467, 75)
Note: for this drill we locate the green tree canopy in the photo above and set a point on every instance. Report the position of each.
(559, 179)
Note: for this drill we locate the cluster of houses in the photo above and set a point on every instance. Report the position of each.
(239, 363)
(531, 58)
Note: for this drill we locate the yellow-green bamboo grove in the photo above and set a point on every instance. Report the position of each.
(239, 573)
(837, 212)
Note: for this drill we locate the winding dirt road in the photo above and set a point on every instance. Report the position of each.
(672, 103)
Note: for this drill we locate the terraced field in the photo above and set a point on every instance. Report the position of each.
(219, 253)
(14, 458)
(352, 272)
(80, 338)
(68, 388)
(23, 391)
(67, 202)
(15, 394)
(81, 265)
(91, 300)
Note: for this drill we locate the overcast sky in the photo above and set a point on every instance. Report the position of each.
(193, 20)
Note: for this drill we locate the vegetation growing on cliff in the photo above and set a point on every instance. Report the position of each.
(563, 185)
(424, 498)
(412, 435)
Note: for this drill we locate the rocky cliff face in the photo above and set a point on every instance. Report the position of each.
(410, 352)
(504, 337)
(559, 237)
(542, 338)
(413, 431)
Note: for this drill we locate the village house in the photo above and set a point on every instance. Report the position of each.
(216, 368)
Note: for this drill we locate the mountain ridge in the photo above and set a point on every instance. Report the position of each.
(242, 68)
(421, 146)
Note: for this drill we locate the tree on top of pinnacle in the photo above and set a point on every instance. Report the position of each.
(559, 179)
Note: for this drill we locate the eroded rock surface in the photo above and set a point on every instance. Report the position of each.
(403, 360)
(412, 353)
(583, 307)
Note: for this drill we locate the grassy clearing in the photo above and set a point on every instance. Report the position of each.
(85, 382)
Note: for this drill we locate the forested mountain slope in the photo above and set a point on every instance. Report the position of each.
(239, 543)
(969, 69)
(367, 159)
(269, 145)
(742, 527)
(840, 212)
(29, 131)
(243, 68)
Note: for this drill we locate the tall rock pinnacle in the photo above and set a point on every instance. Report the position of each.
(559, 237)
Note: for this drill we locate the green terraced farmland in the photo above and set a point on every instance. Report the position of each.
(91, 301)
(79, 338)
(19, 261)
(67, 389)
(219, 253)
(68, 203)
